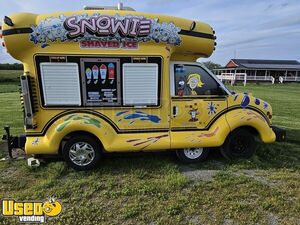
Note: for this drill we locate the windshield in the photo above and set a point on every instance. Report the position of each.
(219, 82)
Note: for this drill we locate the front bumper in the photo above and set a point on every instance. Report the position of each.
(280, 133)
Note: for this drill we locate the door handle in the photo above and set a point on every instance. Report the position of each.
(175, 111)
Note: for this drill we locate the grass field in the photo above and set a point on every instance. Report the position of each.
(10, 75)
(9, 80)
(157, 189)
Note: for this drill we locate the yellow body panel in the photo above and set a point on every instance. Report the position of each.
(201, 121)
(255, 113)
(190, 45)
(89, 123)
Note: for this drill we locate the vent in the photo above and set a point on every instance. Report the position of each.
(34, 94)
(119, 7)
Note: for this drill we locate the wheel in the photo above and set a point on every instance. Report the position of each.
(190, 155)
(240, 143)
(82, 152)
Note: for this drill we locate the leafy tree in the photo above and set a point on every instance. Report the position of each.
(211, 65)
(7, 66)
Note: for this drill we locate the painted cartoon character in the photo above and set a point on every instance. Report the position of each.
(193, 112)
(194, 81)
(180, 88)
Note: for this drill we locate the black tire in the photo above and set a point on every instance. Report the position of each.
(89, 152)
(239, 144)
(186, 157)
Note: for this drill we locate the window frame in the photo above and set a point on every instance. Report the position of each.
(85, 102)
(185, 63)
(75, 58)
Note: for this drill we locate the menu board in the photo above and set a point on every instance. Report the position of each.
(101, 81)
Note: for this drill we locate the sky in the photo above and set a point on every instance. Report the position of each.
(244, 29)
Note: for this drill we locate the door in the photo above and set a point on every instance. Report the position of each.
(197, 98)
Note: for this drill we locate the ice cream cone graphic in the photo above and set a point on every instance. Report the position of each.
(88, 74)
(103, 72)
(95, 70)
(111, 72)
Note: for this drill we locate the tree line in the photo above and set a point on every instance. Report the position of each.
(7, 66)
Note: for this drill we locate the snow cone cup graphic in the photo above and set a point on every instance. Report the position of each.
(111, 73)
(103, 72)
(95, 70)
(88, 74)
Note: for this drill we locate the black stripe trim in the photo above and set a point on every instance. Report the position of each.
(25, 30)
(147, 130)
(28, 30)
(105, 118)
(218, 116)
(205, 98)
(197, 34)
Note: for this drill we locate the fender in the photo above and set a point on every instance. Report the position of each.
(248, 117)
(50, 142)
(214, 136)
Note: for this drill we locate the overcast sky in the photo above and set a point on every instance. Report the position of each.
(244, 29)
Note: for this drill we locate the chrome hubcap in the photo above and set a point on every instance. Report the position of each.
(82, 153)
(193, 153)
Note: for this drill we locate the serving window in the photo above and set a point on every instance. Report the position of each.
(100, 81)
(93, 81)
(140, 84)
(60, 80)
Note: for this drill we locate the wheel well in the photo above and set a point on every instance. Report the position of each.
(77, 133)
(252, 130)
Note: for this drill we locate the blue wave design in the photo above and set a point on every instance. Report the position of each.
(138, 115)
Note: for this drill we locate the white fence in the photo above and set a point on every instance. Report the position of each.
(291, 79)
(234, 77)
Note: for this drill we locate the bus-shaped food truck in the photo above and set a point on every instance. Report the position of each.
(107, 79)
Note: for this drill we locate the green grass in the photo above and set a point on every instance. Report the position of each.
(10, 75)
(9, 80)
(151, 189)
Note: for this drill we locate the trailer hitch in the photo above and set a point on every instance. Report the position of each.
(13, 142)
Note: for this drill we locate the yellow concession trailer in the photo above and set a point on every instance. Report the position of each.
(117, 80)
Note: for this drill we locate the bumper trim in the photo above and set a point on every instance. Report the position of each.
(280, 133)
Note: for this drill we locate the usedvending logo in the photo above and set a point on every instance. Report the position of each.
(31, 211)
(126, 30)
